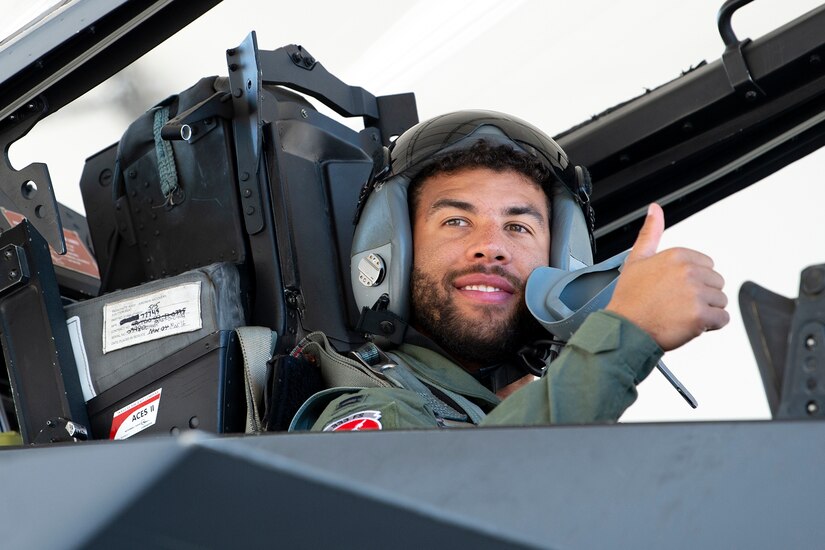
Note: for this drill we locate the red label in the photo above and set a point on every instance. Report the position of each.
(358, 425)
(77, 258)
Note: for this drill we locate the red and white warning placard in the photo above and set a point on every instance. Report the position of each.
(136, 416)
(78, 257)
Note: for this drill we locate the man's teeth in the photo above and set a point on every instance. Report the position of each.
(481, 288)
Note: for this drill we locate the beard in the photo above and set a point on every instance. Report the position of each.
(488, 337)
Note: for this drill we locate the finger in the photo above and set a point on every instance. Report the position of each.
(715, 298)
(689, 256)
(711, 278)
(716, 319)
(649, 236)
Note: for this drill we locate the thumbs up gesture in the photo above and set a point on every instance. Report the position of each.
(674, 295)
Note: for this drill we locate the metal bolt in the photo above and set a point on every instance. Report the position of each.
(238, 92)
(244, 176)
(812, 407)
(230, 52)
(250, 210)
(810, 342)
(247, 193)
(105, 177)
(304, 113)
(750, 95)
(813, 280)
(7, 254)
(233, 67)
(13, 274)
(132, 174)
(387, 327)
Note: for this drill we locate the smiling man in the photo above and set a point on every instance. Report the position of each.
(478, 233)
(487, 199)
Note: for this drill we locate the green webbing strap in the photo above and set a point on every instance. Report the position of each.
(472, 410)
(257, 346)
(405, 378)
(166, 157)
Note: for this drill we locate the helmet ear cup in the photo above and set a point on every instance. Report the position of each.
(381, 257)
(570, 247)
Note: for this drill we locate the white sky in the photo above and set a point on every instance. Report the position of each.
(553, 63)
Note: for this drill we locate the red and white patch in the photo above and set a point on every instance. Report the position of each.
(356, 422)
(136, 416)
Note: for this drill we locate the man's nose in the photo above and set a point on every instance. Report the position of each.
(489, 245)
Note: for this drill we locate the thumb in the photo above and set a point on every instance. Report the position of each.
(649, 235)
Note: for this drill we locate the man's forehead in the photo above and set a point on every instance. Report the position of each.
(508, 190)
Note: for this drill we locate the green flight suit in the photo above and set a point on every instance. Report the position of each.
(593, 379)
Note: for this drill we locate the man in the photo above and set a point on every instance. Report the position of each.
(483, 190)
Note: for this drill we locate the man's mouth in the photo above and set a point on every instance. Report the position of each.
(485, 288)
(481, 288)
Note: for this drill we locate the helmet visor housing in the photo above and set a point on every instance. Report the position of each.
(418, 146)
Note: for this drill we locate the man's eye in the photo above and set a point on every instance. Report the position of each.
(516, 227)
(457, 222)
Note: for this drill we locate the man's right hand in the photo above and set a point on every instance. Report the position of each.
(674, 295)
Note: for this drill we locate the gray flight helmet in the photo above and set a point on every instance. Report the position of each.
(382, 249)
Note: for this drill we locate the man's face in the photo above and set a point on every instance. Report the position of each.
(477, 235)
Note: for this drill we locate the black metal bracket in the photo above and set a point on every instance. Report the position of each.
(733, 58)
(788, 340)
(245, 87)
(803, 387)
(36, 345)
(29, 191)
(309, 76)
(293, 67)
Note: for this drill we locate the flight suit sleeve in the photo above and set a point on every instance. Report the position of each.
(375, 409)
(593, 379)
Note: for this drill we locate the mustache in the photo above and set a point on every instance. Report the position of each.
(498, 270)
